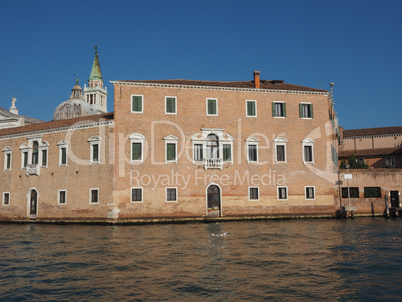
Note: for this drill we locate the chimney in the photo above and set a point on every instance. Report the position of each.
(256, 79)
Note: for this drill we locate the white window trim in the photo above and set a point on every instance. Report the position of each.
(281, 102)
(131, 195)
(252, 141)
(175, 103)
(62, 144)
(8, 150)
(217, 112)
(305, 192)
(171, 139)
(280, 141)
(137, 138)
(142, 103)
(45, 147)
(306, 103)
(58, 197)
(90, 195)
(249, 193)
(202, 140)
(166, 195)
(308, 142)
(28, 147)
(94, 140)
(287, 192)
(255, 102)
(4, 198)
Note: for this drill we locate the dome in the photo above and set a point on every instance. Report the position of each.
(74, 107)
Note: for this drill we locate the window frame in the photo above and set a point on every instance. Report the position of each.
(392, 158)
(8, 152)
(255, 108)
(308, 142)
(142, 103)
(175, 104)
(131, 194)
(310, 110)
(281, 141)
(351, 189)
(65, 197)
(202, 152)
(176, 194)
(305, 193)
(90, 195)
(283, 109)
(4, 199)
(62, 145)
(252, 141)
(231, 152)
(216, 104)
(136, 138)
(94, 141)
(171, 140)
(287, 192)
(249, 193)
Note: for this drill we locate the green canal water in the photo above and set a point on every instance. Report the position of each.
(276, 260)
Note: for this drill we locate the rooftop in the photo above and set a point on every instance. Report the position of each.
(372, 131)
(371, 152)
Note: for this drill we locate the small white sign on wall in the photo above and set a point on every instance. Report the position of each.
(348, 176)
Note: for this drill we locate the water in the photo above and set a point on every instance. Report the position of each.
(288, 260)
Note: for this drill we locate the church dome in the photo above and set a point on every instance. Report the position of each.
(74, 107)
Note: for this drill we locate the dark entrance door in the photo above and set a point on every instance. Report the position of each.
(394, 199)
(214, 201)
(33, 209)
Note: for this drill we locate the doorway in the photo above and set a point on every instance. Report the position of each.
(214, 200)
(33, 204)
(394, 195)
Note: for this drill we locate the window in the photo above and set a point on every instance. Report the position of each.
(35, 153)
(170, 105)
(94, 143)
(251, 108)
(171, 148)
(372, 192)
(198, 152)
(212, 107)
(136, 195)
(310, 192)
(360, 161)
(390, 161)
(354, 192)
(308, 155)
(44, 158)
(137, 104)
(283, 193)
(252, 149)
(94, 196)
(280, 149)
(253, 193)
(25, 159)
(279, 109)
(171, 194)
(63, 145)
(306, 110)
(227, 152)
(62, 197)
(137, 145)
(7, 158)
(212, 147)
(6, 198)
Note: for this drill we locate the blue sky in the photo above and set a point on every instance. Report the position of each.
(356, 44)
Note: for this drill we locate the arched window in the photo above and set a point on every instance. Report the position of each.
(35, 153)
(212, 146)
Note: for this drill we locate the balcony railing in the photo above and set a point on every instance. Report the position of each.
(213, 163)
(32, 169)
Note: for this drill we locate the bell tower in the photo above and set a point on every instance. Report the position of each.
(95, 94)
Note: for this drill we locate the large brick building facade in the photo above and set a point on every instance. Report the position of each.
(178, 149)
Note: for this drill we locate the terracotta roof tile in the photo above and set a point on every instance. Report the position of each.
(372, 131)
(57, 124)
(371, 152)
(276, 85)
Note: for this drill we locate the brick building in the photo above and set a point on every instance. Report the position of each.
(178, 149)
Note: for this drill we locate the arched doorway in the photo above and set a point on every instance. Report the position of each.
(214, 200)
(33, 203)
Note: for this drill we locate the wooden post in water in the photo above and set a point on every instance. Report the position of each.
(386, 206)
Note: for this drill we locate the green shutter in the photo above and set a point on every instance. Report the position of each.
(137, 103)
(136, 151)
(284, 109)
(8, 161)
(227, 154)
(25, 159)
(211, 106)
(300, 110)
(95, 154)
(170, 151)
(311, 110)
(63, 156)
(273, 109)
(44, 158)
(251, 108)
(170, 105)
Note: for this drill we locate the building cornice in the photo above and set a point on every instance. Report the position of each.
(141, 84)
(372, 136)
(58, 129)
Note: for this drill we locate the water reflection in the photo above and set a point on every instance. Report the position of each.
(254, 260)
